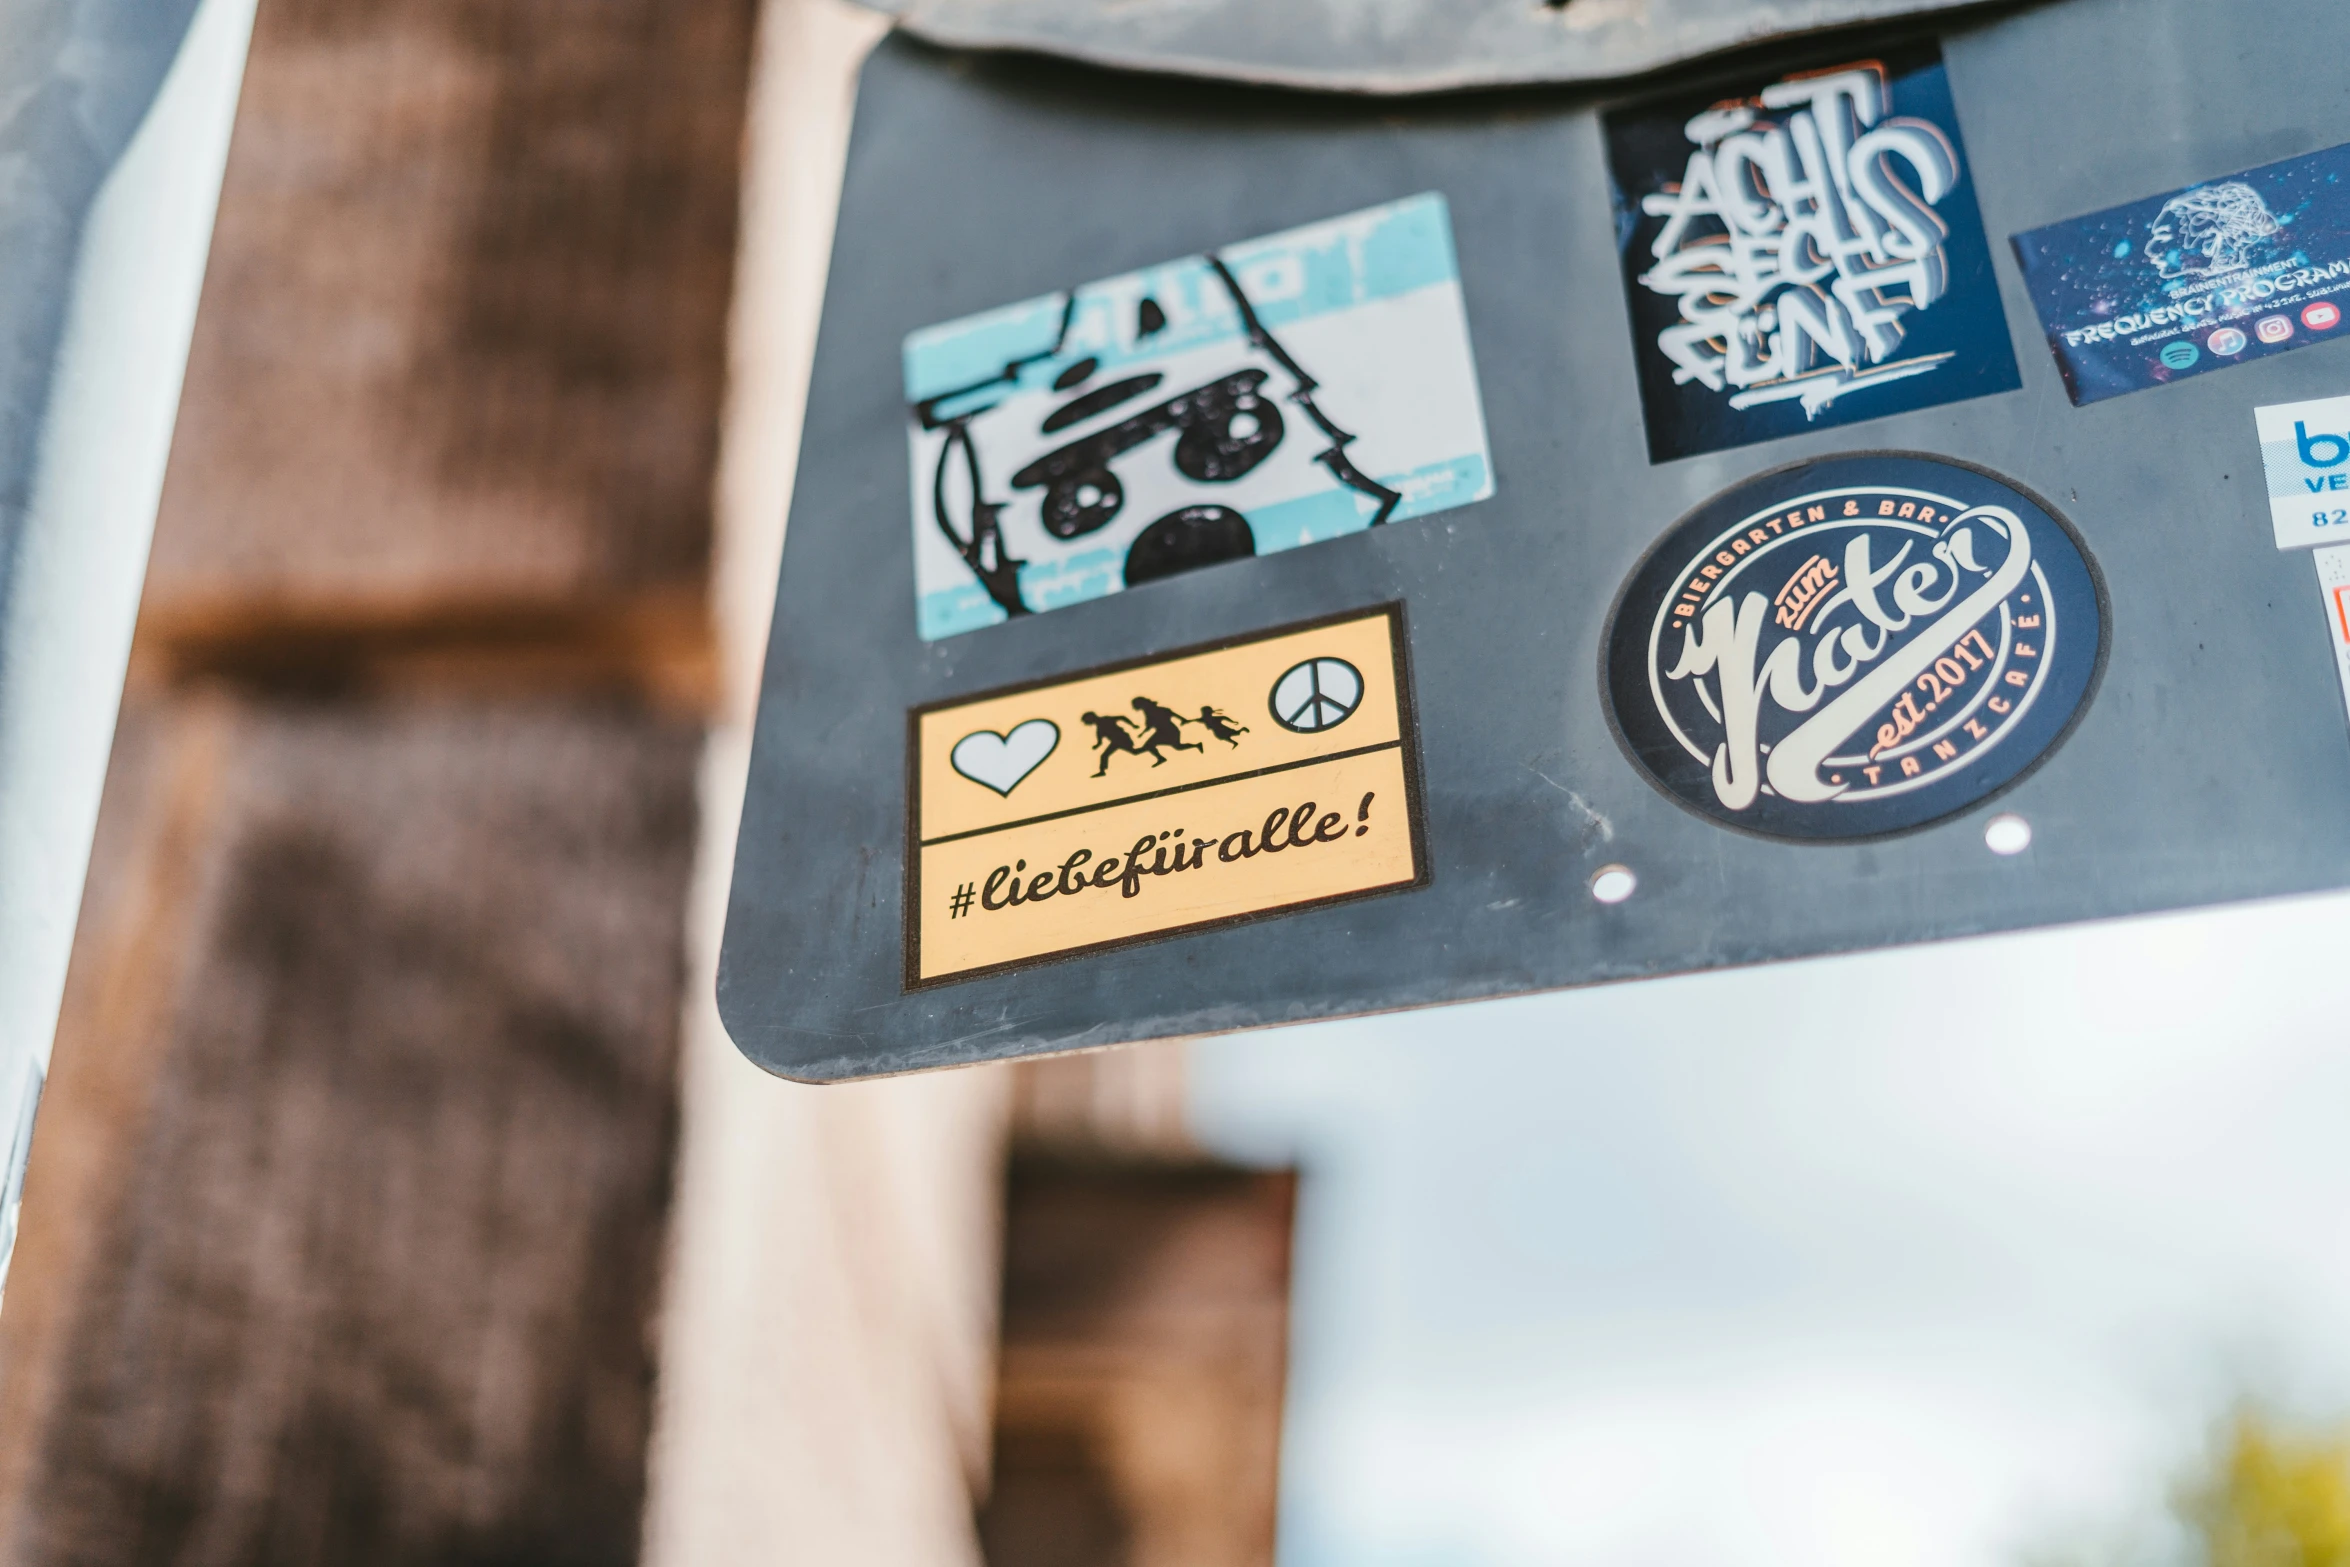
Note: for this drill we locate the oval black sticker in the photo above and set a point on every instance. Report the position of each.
(1854, 646)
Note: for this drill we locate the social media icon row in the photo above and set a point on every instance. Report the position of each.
(2227, 341)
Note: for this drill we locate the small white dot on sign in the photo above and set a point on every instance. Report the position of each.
(1613, 883)
(1241, 426)
(2007, 833)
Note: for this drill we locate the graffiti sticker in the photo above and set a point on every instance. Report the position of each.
(1194, 789)
(1803, 255)
(1246, 400)
(1853, 647)
(2221, 273)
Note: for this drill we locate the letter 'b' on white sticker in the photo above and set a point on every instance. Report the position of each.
(2305, 457)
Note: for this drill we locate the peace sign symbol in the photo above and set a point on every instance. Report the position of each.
(1319, 694)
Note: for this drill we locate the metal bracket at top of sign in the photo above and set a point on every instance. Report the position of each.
(1388, 46)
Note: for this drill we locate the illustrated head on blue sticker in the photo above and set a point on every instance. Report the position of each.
(2248, 265)
(2211, 229)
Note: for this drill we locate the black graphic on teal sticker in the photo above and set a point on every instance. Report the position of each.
(1804, 254)
(1853, 647)
(2234, 269)
(1254, 398)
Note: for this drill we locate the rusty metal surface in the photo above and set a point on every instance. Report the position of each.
(1387, 46)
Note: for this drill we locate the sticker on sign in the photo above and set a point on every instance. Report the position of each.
(2305, 448)
(2194, 280)
(1127, 803)
(2333, 582)
(1241, 401)
(1802, 253)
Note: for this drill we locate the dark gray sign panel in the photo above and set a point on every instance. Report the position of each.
(1786, 684)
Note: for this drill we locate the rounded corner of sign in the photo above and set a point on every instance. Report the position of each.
(768, 1050)
(802, 1075)
(752, 1039)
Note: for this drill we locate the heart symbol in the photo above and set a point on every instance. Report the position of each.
(1001, 761)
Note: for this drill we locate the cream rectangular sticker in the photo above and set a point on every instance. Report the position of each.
(2305, 450)
(1204, 787)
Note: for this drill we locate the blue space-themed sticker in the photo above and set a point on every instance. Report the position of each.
(1268, 394)
(2237, 268)
(1804, 253)
(1855, 646)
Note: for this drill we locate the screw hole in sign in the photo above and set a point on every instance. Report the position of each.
(2007, 833)
(1613, 883)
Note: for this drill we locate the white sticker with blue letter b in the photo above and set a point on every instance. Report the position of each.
(2306, 449)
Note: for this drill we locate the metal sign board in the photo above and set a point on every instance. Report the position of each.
(1387, 46)
(1343, 563)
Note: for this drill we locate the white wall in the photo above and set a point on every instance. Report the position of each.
(66, 638)
(828, 1331)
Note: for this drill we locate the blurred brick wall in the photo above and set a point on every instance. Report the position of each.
(349, 1201)
(1145, 1340)
(377, 1278)
(456, 382)
(363, 1153)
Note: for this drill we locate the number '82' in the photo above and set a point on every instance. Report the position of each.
(2338, 517)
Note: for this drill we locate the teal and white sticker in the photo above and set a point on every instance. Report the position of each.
(1268, 394)
(2305, 449)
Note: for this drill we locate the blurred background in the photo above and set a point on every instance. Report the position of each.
(397, 1198)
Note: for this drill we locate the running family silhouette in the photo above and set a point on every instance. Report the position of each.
(1159, 729)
